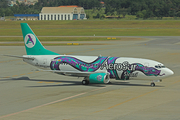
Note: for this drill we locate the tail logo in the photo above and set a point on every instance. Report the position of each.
(30, 40)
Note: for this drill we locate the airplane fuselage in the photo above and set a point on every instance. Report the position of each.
(119, 68)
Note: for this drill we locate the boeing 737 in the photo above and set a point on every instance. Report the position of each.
(94, 69)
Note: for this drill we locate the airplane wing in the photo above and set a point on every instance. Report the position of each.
(20, 57)
(72, 73)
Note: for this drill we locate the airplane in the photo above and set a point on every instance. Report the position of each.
(94, 69)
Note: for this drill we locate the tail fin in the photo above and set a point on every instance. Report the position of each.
(32, 44)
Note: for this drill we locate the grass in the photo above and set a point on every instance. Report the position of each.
(109, 32)
(93, 24)
(20, 39)
(91, 27)
(97, 32)
(50, 44)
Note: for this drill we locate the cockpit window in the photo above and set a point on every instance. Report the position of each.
(160, 66)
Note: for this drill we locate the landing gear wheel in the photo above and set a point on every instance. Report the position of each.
(85, 82)
(152, 84)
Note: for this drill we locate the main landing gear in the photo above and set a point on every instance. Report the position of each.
(85, 82)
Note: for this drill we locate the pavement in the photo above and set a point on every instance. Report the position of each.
(32, 95)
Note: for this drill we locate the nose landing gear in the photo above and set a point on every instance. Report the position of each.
(153, 82)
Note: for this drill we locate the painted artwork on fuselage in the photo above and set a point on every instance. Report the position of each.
(118, 70)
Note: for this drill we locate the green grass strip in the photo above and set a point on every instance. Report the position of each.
(11, 39)
(96, 32)
(93, 24)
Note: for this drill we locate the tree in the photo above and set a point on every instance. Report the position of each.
(3, 3)
(147, 8)
(139, 14)
(2, 12)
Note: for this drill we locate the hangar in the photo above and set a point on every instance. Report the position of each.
(62, 13)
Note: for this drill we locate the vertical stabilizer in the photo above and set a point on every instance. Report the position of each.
(32, 44)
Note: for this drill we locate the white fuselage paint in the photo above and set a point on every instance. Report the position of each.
(121, 68)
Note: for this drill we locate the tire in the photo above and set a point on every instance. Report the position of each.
(85, 82)
(152, 84)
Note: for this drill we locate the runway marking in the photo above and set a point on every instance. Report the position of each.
(27, 73)
(7, 77)
(40, 82)
(80, 94)
(43, 105)
(126, 101)
(22, 74)
(92, 91)
(14, 75)
(30, 73)
(174, 53)
(49, 82)
(133, 98)
(175, 82)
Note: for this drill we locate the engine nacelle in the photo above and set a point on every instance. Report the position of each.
(99, 78)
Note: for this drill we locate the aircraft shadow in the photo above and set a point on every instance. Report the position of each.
(73, 83)
(130, 84)
(58, 82)
(64, 83)
(12, 79)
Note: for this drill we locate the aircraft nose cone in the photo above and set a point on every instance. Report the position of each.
(169, 72)
(172, 73)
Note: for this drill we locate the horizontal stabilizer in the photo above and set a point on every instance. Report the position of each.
(20, 57)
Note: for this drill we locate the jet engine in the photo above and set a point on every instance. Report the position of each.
(99, 78)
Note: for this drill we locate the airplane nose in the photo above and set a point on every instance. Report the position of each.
(169, 72)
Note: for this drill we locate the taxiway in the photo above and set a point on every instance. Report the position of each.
(28, 94)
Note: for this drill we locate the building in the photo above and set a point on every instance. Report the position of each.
(102, 4)
(2, 18)
(11, 2)
(30, 2)
(27, 2)
(62, 13)
(26, 16)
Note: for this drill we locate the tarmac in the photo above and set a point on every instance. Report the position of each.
(27, 94)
